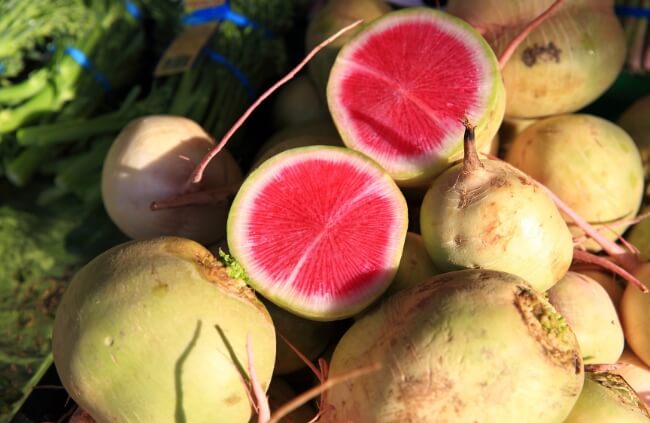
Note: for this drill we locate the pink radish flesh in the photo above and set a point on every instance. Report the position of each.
(399, 90)
(319, 231)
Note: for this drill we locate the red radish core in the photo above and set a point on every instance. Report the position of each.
(399, 90)
(319, 231)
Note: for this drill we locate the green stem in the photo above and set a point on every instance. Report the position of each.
(23, 167)
(17, 93)
(70, 131)
(84, 164)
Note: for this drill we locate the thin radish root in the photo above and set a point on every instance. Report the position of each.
(510, 49)
(190, 192)
(317, 390)
(585, 257)
(601, 368)
(625, 259)
(261, 401)
(197, 175)
(196, 198)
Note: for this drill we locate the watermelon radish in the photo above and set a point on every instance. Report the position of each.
(400, 88)
(319, 231)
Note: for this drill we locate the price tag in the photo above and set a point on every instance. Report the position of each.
(184, 50)
(192, 5)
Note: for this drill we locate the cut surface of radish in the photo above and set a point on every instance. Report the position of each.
(399, 90)
(319, 231)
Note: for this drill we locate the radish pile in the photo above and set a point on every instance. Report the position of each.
(393, 259)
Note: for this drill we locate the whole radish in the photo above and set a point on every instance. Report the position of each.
(157, 331)
(484, 214)
(590, 313)
(465, 346)
(561, 66)
(589, 163)
(151, 159)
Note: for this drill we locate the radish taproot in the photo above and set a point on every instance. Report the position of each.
(561, 66)
(338, 222)
(470, 345)
(607, 398)
(588, 162)
(398, 90)
(589, 311)
(157, 331)
(484, 214)
(152, 158)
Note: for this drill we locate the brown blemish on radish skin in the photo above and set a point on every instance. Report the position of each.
(551, 336)
(541, 53)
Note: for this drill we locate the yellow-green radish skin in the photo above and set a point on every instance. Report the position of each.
(156, 331)
(472, 345)
(590, 313)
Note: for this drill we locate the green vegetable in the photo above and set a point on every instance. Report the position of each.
(40, 249)
(209, 93)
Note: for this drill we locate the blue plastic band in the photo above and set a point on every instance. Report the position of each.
(83, 61)
(222, 13)
(237, 73)
(631, 11)
(2, 68)
(133, 9)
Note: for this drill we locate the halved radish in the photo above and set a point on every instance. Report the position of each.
(319, 231)
(399, 90)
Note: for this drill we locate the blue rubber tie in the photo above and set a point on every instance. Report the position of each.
(2, 68)
(237, 73)
(631, 11)
(133, 9)
(222, 13)
(83, 61)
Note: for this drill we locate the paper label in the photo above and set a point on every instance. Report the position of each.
(192, 5)
(183, 51)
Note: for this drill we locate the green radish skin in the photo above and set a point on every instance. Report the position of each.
(465, 346)
(589, 163)
(590, 313)
(635, 121)
(612, 285)
(636, 374)
(639, 235)
(607, 398)
(156, 331)
(415, 266)
(308, 336)
(635, 316)
(566, 63)
(314, 133)
(335, 15)
(408, 150)
(320, 188)
(490, 216)
(298, 103)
